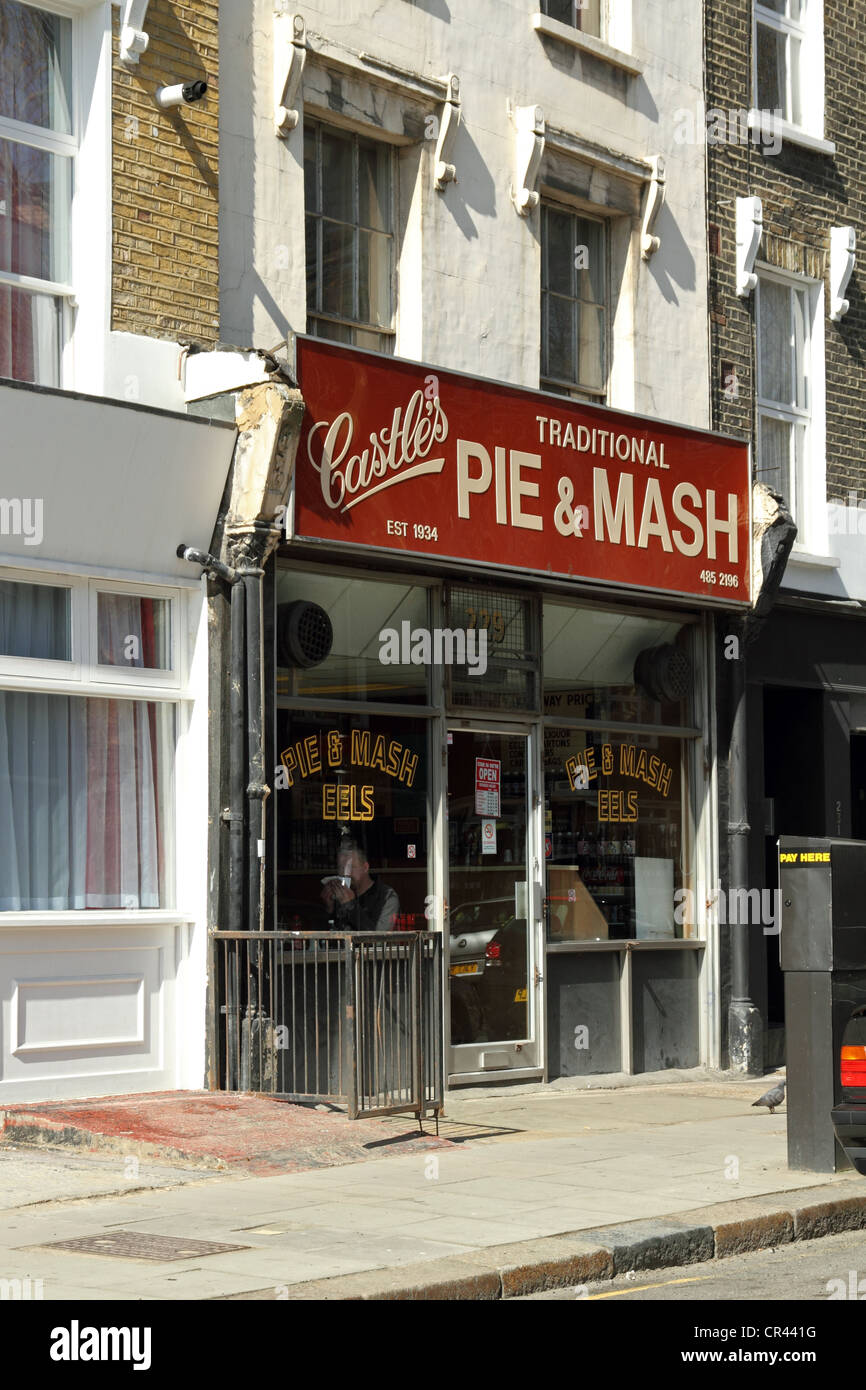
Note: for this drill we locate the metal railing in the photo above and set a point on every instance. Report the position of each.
(352, 1017)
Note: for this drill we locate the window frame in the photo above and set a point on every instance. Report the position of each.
(68, 147)
(576, 7)
(691, 738)
(85, 299)
(387, 335)
(82, 674)
(555, 385)
(71, 671)
(809, 131)
(790, 29)
(83, 678)
(806, 476)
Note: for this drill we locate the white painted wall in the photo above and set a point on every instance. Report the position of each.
(841, 573)
(144, 371)
(469, 296)
(107, 1002)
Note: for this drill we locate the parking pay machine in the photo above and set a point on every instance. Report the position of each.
(822, 945)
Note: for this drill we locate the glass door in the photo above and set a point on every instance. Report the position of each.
(491, 918)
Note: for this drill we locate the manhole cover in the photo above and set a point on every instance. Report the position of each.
(141, 1245)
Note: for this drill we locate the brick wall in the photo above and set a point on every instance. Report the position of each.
(804, 194)
(165, 253)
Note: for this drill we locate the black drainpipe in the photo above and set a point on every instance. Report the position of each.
(235, 906)
(232, 577)
(745, 1025)
(256, 790)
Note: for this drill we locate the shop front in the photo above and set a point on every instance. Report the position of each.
(103, 744)
(488, 665)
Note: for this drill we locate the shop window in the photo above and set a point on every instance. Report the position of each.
(133, 632)
(784, 391)
(85, 787)
(616, 805)
(591, 667)
(616, 843)
(349, 202)
(374, 652)
(356, 778)
(86, 782)
(129, 633)
(585, 15)
(37, 150)
(574, 304)
(500, 632)
(35, 621)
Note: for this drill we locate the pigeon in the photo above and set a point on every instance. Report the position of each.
(772, 1098)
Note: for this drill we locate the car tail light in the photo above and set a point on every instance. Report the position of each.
(493, 952)
(852, 1065)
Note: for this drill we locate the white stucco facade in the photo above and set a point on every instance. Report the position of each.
(468, 266)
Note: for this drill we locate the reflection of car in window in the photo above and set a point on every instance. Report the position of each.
(488, 971)
(472, 927)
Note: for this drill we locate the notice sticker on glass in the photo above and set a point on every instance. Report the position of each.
(487, 781)
(488, 837)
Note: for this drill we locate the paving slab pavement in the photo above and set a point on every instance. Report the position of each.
(511, 1172)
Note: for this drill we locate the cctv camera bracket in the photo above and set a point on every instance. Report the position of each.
(290, 55)
(133, 39)
(445, 171)
(528, 149)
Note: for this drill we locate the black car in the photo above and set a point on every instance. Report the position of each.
(849, 1116)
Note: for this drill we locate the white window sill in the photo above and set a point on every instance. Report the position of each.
(587, 43)
(791, 134)
(805, 557)
(51, 920)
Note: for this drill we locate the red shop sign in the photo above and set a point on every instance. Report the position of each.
(404, 457)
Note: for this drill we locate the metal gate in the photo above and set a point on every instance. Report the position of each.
(351, 1017)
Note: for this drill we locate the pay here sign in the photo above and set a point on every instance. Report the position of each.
(405, 457)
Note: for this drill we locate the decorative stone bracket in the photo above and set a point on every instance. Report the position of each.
(444, 171)
(269, 418)
(843, 241)
(290, 55)
(750, 224)
(528, 149)
(655, 198)
(133, 39)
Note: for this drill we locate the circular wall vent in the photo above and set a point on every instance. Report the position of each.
(664, 672)
(304, 634)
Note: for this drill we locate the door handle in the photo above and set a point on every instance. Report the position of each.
(538, 976)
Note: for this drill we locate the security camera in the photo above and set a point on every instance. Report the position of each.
(182, 94)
